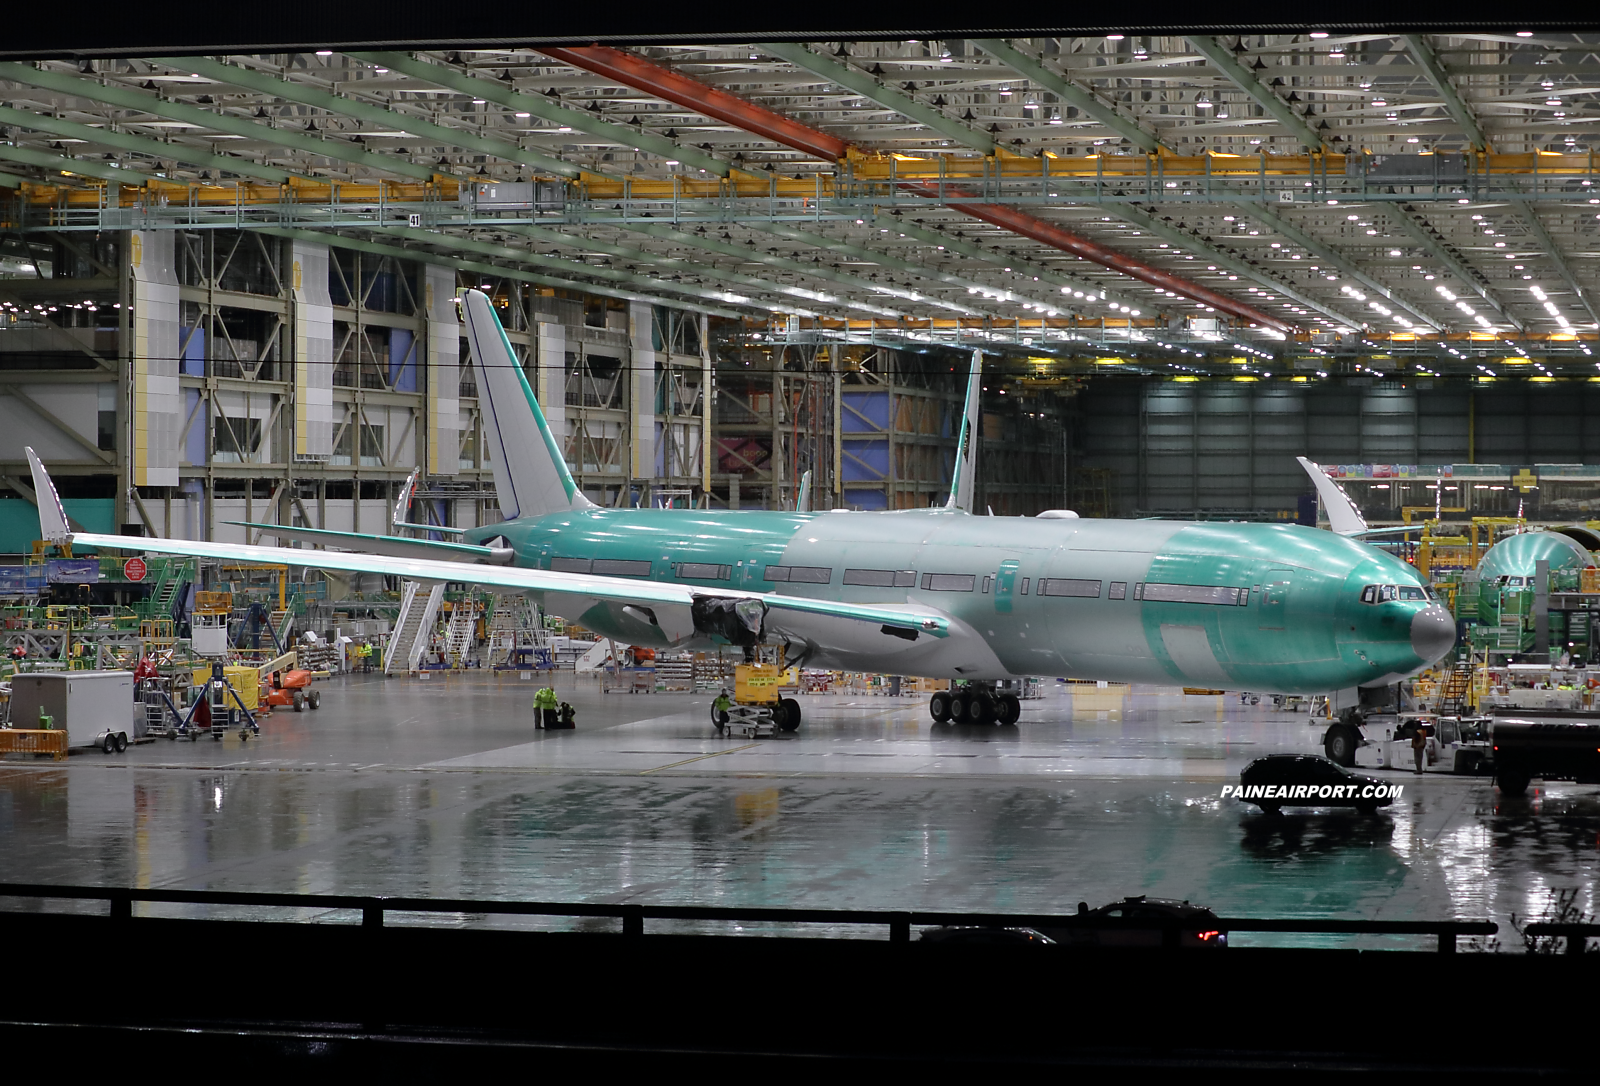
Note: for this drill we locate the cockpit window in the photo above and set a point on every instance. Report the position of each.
(1383, 593)
(1516, 582)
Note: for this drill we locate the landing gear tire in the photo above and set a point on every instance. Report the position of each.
(1271, 809)
(122, 742)
(109, 743)
(1511, 781)
(788, 715)
(981, 709)
(1340, 745)
(939, 707)
(1008, 709)
(959, 704)
(1367, 808)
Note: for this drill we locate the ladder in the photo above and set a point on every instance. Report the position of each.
(505, 625)
(413, 626)
(458, 638)
(1453, 694)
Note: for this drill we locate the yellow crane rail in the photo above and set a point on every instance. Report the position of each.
(884, 171)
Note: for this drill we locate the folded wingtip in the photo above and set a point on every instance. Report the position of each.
(53, 525)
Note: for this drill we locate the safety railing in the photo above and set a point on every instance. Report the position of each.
(1576, 935)
(373, 910)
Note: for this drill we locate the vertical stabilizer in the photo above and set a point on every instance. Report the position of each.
(530, 473)
(965, 474)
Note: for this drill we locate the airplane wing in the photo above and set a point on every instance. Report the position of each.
(668, 605)
(1343, 516)
(392, 545)
(1398, 529)
(624, 590)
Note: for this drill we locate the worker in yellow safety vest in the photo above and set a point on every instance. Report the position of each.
(545, 706)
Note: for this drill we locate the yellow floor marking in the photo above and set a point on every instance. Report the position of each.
(698, 758)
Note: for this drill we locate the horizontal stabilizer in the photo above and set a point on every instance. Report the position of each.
(394, 546)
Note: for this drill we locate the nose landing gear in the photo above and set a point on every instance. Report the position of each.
(975, 704)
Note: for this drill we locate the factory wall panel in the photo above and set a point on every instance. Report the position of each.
(642, 388)
(313, 352)
(154, 362)
(443, 356)
(1179, 447)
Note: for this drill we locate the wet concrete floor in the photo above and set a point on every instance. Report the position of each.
(444, 788)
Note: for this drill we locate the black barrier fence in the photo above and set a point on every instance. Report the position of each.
(633, 917)
(1576, 935)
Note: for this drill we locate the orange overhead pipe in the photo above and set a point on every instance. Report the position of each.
(633, 70)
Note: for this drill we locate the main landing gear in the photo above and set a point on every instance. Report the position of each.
(975, 703)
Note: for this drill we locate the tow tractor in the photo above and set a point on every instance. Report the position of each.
(759, 710)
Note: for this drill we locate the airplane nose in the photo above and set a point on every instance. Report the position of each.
(1433, 633)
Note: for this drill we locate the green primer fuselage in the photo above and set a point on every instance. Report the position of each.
(1240, 606)
(1518, 555)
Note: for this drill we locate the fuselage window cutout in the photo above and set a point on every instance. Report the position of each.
(1138, 590)
(905, 578)
(1244, 597)
(776, 573)
(620, 567)
(876, 578)
(987, 579)
(949, 582)
(703, 571)
(1369, 594)
(569, 565)
(1069, 586)
(1023, 591)
(1118, 590)
(810, 574)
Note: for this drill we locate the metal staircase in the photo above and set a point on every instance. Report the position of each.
(458, 638)
(413, 626)
(515, 623)
(1457, 684)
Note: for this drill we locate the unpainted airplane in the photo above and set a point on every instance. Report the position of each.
(930, 592)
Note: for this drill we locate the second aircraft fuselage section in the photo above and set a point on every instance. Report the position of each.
(1252, 606)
